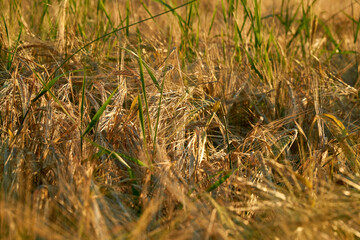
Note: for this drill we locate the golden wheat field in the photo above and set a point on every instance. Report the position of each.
(179, 119)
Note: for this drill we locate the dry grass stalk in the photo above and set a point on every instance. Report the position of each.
(245, 130)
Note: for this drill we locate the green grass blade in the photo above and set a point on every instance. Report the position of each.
(82, 109)
(201, 182)
(240, 30)
(146, 8)
(110, 153)
(98, 114)
(52, 95)
(220, 181)
(135, 192)
(127, 17)
(357, 28)
(148, 11)
(287, 20)
(181, 21)
(142, 79)
(6, 29)
(224, 11)
(258, 25)
(357, 31)
(45, 11)
(330, 36)
(82, 98)
(147, 67)
(227, 141)
(188, 21)
(47, 86)
(158, 116)
(142, 122)
(173, 10)
(212, 20)
(101, 7)
(81, 31)
(253, 66)
(152, 76)
(231, 8)
(117, 155)
(120, 157)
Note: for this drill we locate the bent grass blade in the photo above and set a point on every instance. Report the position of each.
(98, 114)
(117, 155)
(47, 86)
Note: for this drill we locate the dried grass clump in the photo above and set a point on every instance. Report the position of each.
(214, 120)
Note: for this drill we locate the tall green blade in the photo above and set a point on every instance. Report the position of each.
(98, 114)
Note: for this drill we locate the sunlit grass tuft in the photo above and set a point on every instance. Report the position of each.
(220, 119)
